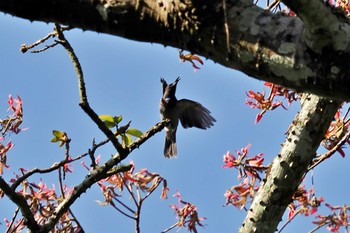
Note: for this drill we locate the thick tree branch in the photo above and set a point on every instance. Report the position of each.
(267, 46)
(21, 202)
(325, 26)
(290, 165)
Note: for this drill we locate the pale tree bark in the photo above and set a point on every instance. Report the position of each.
(307, 53)
(309, 57)
(289, 166)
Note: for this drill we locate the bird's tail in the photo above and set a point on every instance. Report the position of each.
(170, 149)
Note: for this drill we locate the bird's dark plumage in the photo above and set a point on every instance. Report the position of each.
(190, 114)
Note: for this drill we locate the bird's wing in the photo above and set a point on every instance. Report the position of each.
(193, 114)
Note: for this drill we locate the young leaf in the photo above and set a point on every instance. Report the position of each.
(118, 119)
(57, 133)
(126, 140)
(108, 120)
(54, 139)
(134, 132)
(59, 136)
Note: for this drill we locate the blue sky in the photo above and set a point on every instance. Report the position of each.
(123, 78)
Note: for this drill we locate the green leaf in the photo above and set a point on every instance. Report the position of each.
(57, 133)
(118, 119)
(62, 143)
(59, 136)
(126, 140)
(54, 139)
(108, 120)
(134, 132)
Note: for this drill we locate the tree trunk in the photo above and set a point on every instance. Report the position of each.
(287, 169)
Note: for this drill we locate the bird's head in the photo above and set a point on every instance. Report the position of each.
(169, 90)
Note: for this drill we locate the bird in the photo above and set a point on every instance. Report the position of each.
(190, 113)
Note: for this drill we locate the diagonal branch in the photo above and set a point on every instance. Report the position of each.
(319, 159)
(290, 165)
(55, 166)
(21, 202)
(84, 104)
(97, 174)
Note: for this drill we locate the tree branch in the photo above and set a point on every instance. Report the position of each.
(97, 174)
(289, 166)
(21, 202)
(84, 104)
(266, 46)
(319, 159)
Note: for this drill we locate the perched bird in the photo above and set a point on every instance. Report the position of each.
(190, 114)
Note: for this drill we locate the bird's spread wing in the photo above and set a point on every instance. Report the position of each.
(193, 114)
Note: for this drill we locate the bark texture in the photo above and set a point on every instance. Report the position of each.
(289, 166)
(308, 56)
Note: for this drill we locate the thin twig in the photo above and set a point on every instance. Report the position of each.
(329, 153)
(316, 228)
(55, 166)
(159, 180)
(131, 193)
(140, 201)
(76, 221)
(170, 228)
(45, 48)
(289, 220)
(24, 48)
(138, 213)
(84, 104)
(66, 156)
(121, 211)
(62, 189)
(124, 205)
(60, 181)
(12, 220)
